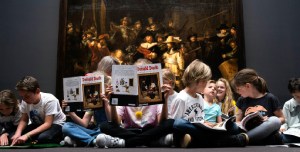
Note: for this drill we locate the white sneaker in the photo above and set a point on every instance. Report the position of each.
(68, 142)
(166, 140)
(106, 141)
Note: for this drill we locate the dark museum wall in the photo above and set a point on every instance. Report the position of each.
(29, 35)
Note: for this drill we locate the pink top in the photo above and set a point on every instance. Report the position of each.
(148, 118)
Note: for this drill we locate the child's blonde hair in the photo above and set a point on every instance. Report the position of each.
(167, 74)
(9, 99)
(228, 99)
(197, 71)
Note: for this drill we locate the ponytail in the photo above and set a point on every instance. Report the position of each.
(249, 76)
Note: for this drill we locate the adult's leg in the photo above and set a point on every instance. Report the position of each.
(80, 133)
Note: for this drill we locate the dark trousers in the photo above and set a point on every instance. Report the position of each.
(290, 139)
(138, 137)
(202, 137)
(51, 135)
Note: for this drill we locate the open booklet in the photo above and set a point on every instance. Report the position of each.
(83, 92)
(292, 131)
(251, 121)
(135, 85)
(286, 145)
(222, 126)
(248, 122)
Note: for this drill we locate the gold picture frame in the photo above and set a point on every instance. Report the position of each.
(91, 96)
(202, 18)
(149, 88)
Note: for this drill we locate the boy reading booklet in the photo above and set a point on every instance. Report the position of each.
(291, 110)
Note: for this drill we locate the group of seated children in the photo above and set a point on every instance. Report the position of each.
(39, 117)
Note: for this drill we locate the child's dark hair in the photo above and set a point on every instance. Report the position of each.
(249, 76)
(28, 83)
(294, 85)
(8, 98)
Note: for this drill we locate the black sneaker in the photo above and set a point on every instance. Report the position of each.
(239, 140)
(243, 139)
(274, 139)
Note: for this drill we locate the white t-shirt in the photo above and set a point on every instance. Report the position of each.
(148, 118)
(48, 105)
(187, 107)
(291, 112)
(170, 100)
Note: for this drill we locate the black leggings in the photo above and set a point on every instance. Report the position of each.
(138, 137)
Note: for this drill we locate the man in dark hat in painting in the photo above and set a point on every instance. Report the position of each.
(222, 30)
(137, 31)
(173, 60)
(232, 34)
(162, 46)
(193, 49)
(220, 47)
(99, 50)
(121, 33)
(148, 49)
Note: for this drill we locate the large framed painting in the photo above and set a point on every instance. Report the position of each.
(170, 32)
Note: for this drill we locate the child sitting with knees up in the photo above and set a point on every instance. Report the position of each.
(291, 111)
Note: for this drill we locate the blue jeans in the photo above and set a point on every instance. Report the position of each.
(79, 133)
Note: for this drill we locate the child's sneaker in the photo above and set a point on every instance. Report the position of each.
(243, 139)
(106, 141)
(166, 140)
(68, 142)
(186, 141)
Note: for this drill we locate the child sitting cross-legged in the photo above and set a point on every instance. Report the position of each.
(138, 126)
(254, 96)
